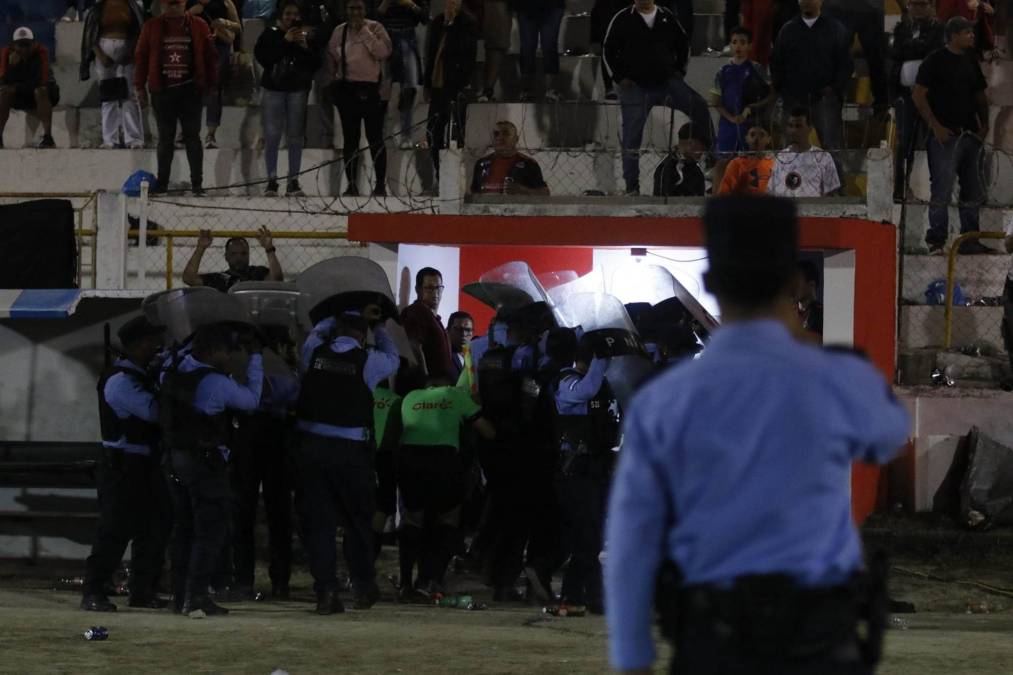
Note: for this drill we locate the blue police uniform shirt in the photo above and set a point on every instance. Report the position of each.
(127, 397)
(381, 363)
(217, 393)
(575, 392)
(739, 463)
(281, 392)
(479, 346)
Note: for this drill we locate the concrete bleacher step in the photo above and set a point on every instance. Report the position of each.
(924, 325)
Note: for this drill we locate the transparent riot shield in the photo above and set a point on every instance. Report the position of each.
(637, 283)
(509, 286)
(184, 310)
(347, 283)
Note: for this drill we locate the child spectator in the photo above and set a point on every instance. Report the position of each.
(802, 170)
(750, 173)
(26, 83)
(506, 171)
(740, 95)
(679, 174)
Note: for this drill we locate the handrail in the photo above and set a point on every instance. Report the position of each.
(951, 268)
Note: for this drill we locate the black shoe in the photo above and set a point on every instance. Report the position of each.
(148, 602)
(413, 596)
(279, 593)
(507, 594)
(97, 603)
(367, 598)
(46, 142)
(272, 189)
(197, 191)
(198, 608)
(351, 191)
(158, 189)
(380, 191)
(294, 190)
(329, 603)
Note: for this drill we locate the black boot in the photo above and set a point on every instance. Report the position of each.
(328, 602)
(97, 603)
(198, 607)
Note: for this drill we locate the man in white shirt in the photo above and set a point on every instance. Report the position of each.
(801, 169)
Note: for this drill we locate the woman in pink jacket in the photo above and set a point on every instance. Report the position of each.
(355, 54)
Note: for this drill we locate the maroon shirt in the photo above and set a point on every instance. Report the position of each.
(426, 328)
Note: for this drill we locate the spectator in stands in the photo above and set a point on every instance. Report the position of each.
(26, 83)
(731, 19)
(506, 171)
(679, 174)
(423, 325)
(451, 46)
(355, 56)
(915, 36)
(601, 17)
(539, 22)
(683, 10)
(460, 329)
(980, 12)
(749, 173)
(950, 96)
(810, 309)
(222, 18)
(647, 51)
(865, 18)
(237, 257)
(400, 17)
(811, 67)
(741, 95)
(110, 33)
(497, 24)
(801, 169)
(289, 61)
(321, 18)
(175, 60)
(758, 18)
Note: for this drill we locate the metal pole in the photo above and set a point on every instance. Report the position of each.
(142, 238)
(168, 261)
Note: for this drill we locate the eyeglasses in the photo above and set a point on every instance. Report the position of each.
(432, 288)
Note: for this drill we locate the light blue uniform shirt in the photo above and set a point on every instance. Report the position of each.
(217, 393)
(381, 363)
(575, 392)
(127, 397)
(739, 463)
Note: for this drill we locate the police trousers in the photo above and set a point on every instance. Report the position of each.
(261, 465)
(338, 484)
(766, 625)
(133, 508)
(582, 500)
(199, 487)
(507, 525)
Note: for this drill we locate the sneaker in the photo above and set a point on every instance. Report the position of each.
(553, 96)
(46, 142)
(974, 247)
(203, 607)
(210, 142)
(135, 145)
(197, 191)
(108, 146)
(633, 191)
(97, 603)
(272, 189)
(294, 190)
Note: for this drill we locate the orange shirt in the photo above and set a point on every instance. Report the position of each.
(746, 175)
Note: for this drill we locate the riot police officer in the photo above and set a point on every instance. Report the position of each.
(132, 497)
(195, 401)
(735, 470)
(335, 455)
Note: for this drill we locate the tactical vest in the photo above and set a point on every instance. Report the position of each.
(133, 429)
(334, 389)
(584, 442)
(183, 426)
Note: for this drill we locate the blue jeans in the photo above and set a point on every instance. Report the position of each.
(960, 158)
(540, 26)
(405, 68)
(283, 110)
(636, 103)
(214, 95)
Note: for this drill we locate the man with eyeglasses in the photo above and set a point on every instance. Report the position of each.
(506, 171)
(424, 326)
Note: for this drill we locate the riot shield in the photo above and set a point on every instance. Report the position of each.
(637, 283)
(273, 303)
(509, 286)
(184, 310)
(592, 282)
(347, 283)
(606, 324)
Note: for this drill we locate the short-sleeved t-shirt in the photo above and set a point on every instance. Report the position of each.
(386, 415)
(223, 281)
(953, 80)
(803, 174)
(433, 416)
(746, 175)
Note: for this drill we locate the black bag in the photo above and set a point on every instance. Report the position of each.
(113, 89)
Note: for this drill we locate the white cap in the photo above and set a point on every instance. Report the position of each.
(23, 33)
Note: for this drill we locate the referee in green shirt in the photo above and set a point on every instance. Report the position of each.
(431, 479)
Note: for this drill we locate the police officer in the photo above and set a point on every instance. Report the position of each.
(584, 430)
(195, 401)
(735, 469)
(335, 456)
(133, 501)
(431, 480)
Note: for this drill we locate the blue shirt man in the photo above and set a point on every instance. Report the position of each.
(129, 398)
(575, 391)
(738, 463)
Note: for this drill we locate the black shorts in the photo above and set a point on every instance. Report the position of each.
(24, 95)
(431, 478)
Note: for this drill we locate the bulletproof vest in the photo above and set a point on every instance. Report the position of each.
(334, 389)
(499, 386)
(133, 429)
(583, 442)
(183, 426)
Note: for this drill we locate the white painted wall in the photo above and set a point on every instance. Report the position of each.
(411, 258)
(686, 264)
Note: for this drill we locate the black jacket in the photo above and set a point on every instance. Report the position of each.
(906, 47)
(676, 177)
(805, 60)
(648, 56)
(459, 52)
(92, 26)
(272, 48)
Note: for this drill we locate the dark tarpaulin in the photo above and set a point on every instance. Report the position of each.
(987, 487)
(37, 248)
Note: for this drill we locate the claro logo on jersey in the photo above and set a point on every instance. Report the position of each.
(433, 405)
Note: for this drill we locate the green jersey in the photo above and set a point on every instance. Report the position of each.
(386, 417)
(433, 416)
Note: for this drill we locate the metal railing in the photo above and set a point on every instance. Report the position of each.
(951, 269)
